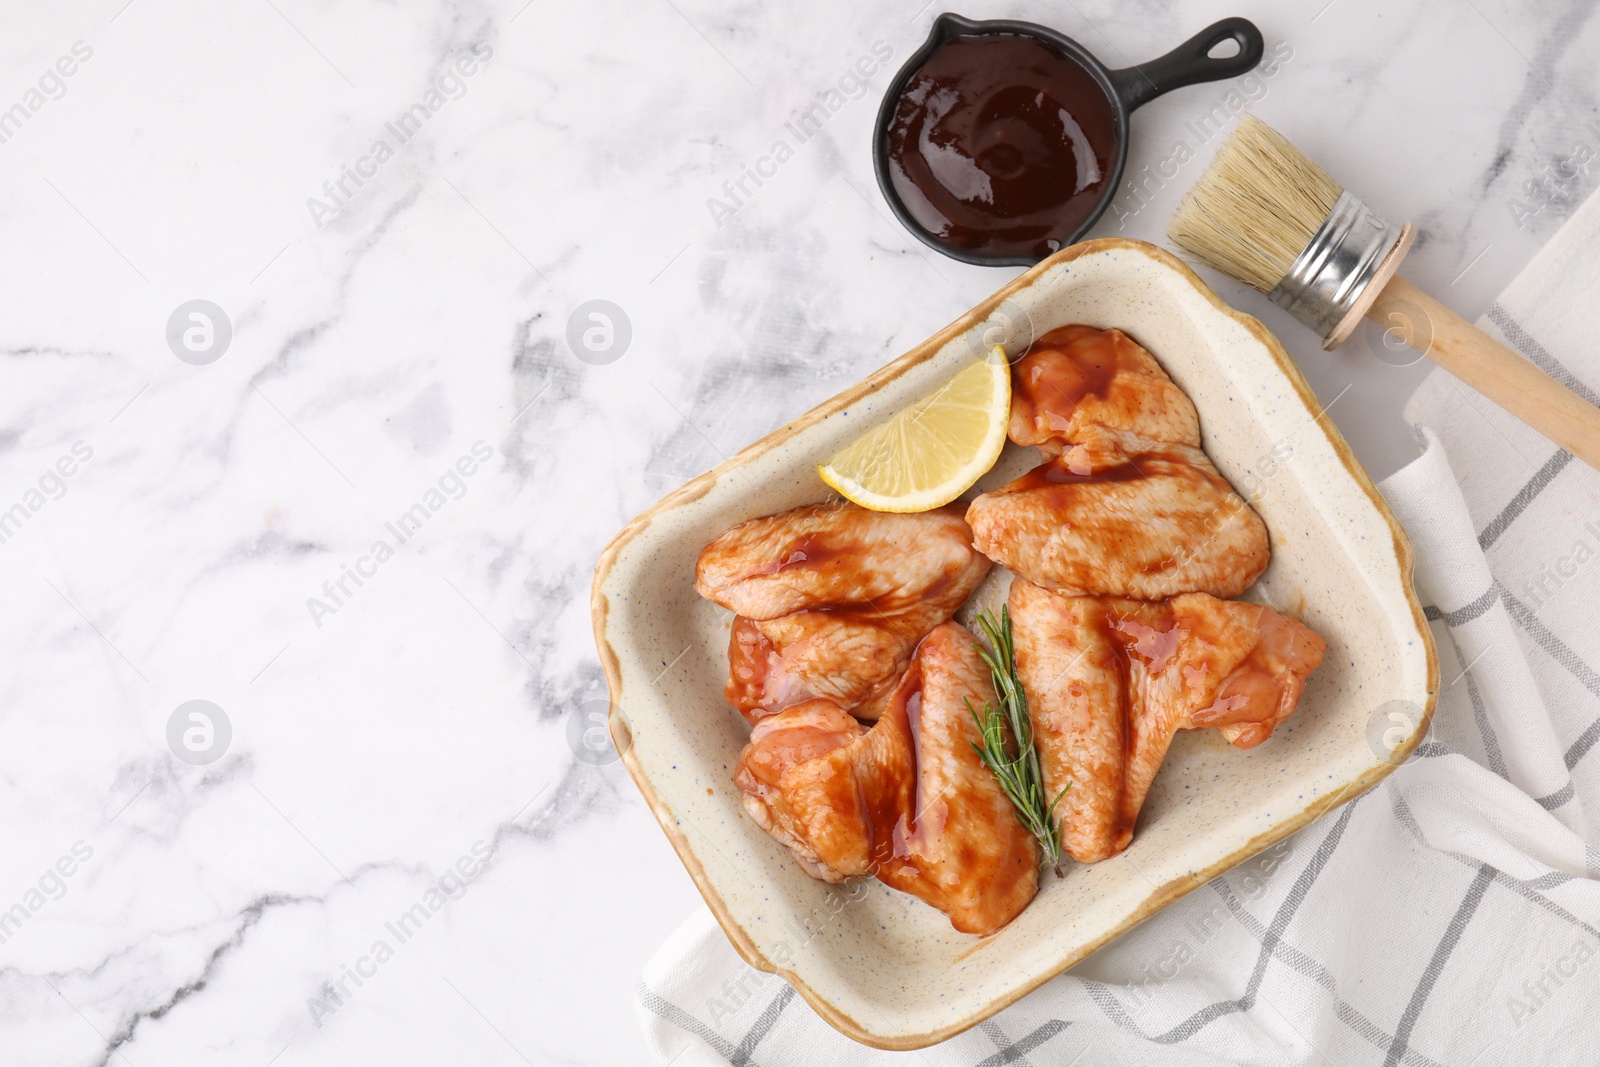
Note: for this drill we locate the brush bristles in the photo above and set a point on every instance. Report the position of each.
(1255, 208)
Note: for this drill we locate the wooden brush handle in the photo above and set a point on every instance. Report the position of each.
(1491, 368)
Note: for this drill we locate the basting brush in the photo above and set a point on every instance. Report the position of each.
(1266, 215)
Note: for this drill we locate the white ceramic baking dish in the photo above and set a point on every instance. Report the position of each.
(881, 966)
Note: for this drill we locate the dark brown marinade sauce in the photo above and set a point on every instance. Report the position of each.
(1157, 463)
(1056, 472)
(810, 549)
(1001, 144)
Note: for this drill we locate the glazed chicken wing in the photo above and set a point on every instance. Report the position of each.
(1126, 504)
(1077, 379)
(837, 555)
(841, 656)
(778, 743)
(1148, 524)
(1109, 681)
(908, 800)
(832, 599)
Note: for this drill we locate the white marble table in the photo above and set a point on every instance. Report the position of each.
(363, 528)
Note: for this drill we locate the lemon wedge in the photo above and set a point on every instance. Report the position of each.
(933, 451)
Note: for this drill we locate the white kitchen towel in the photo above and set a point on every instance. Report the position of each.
(1449, 917)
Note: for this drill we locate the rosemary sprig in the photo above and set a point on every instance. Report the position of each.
(1008, 749)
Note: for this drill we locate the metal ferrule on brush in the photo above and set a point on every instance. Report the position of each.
(1329, 276)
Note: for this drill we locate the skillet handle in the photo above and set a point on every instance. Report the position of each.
(1189, 63)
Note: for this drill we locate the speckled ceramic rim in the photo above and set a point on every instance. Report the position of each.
(698, 487)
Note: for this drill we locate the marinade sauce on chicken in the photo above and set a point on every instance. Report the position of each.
(1054, 473)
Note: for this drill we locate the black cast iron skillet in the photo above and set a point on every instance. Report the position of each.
(1188, 64)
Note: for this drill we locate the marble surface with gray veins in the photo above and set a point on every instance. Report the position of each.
(305, 418)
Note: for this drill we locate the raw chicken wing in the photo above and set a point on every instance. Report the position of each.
(795, 735)
(1077, 379)
(908, 800)
(1148, 524)
(1126, 504)
(833, 598)
(1109, 681)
